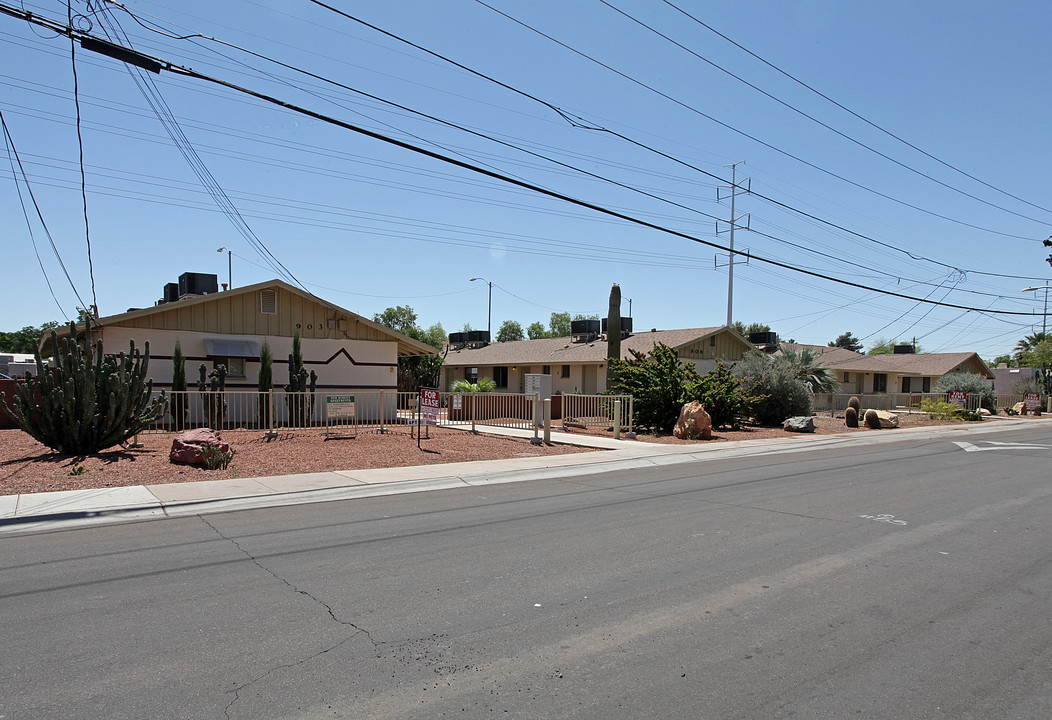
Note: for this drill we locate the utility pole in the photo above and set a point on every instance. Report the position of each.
(733, 190)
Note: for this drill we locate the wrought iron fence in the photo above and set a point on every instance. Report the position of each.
(598, 411)
(347, 412)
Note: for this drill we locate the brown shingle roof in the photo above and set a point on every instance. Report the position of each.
(560, 351)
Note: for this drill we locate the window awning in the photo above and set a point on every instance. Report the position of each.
(232, 348)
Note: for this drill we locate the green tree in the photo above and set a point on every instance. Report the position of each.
(729, 400)
(848, 342)
(536, 331)
(1004, 361)
(559, 324)
(180, 404)
(510, 331)
(1025, 347)
(402, 319)
(417, 371)
(744, 330)
(265, 383)
(25, 340)
(881, 346)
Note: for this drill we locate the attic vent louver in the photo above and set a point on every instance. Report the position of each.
(268, 302)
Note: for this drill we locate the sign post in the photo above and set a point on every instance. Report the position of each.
(341, 411)
(428, 414)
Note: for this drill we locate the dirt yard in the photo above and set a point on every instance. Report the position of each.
(26, 466)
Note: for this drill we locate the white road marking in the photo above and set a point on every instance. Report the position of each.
(968, 447)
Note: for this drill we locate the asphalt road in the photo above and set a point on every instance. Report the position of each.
(905, 580)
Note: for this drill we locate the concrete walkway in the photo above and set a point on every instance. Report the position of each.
(55, 510)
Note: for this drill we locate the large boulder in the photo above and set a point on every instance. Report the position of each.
(887, 419)
(693, 422)
(801, 424)
(188, 448)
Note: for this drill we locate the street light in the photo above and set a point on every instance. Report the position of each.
(229, 268)
(489, 319)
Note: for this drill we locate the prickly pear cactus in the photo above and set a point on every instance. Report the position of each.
(88, 401)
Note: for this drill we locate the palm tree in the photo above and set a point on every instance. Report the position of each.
(809, 369)
(1029, 343)
(484, 385)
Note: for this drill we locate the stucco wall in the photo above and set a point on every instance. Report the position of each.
(338, 363)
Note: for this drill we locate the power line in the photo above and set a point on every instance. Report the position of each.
(40, 215)
(179, 70)
(83, 180)
(578, 122)
(852, 112)
(744, 134)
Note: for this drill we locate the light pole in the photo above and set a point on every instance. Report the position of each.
(1044, 326)
(229, 268)
(489, 319)
(1044, 317)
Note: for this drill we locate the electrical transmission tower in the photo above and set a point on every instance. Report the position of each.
(732, 191)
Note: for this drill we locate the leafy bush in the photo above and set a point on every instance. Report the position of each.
(971, 384)
(658, 384)
(938, 409)
(484, 385)
(784, 393)
(730, 401)
(969, 415)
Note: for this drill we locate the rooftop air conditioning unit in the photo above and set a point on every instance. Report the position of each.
(904, 349)
(198, 284)
(171, 292)
(626, 326)
(583, 330)
(763, 338)
(478, 338)
(457, 340)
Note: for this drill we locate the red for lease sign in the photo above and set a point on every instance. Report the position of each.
(429, 406)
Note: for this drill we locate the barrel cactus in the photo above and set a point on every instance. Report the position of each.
(872, 420)
(854, 403)
(851, 417)
(88, 401)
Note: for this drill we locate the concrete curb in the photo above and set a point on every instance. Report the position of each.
(71, 508)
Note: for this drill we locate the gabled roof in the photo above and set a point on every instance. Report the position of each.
(924, 364)
(561, 351)
(827, 355)
(406, 344)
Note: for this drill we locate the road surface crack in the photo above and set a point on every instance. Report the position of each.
(318, 601)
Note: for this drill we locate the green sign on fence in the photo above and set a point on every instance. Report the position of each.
(339, 406)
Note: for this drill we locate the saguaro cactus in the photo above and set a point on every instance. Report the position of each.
(89, 401)
(213, 395)
(613, 334)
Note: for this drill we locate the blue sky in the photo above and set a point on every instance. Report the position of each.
(368, 226)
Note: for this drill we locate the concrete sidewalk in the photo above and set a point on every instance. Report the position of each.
(55, 510)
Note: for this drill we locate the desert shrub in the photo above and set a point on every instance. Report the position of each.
(730, 401)
(938, 409)
(216, 459)
(658, 383)
(971, 384)
(784, 393)
(969, 415)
